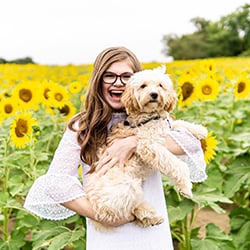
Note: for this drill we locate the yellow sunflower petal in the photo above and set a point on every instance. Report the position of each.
(209, 144)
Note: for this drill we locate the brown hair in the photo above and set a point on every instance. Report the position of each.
(93, 120)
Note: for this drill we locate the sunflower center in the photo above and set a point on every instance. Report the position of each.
(203, 145)
(206, 90)
(241, 87)
(187, 89)
(21, 128)
(58, 97)
(45, 93)
(25, 95)
(8, 108)
(64, 110)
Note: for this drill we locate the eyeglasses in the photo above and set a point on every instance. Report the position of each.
(111, 78)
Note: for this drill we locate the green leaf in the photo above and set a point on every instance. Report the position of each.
(209, 197)
(238, 174)
(239, 216)
(214, 232)
(64, 239)
(242, 238)
(15, 184)
(214, 179)
(204, 244)
(179, 212)
(215, 239)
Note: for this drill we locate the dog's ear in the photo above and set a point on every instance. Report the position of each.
(129, 101)
(171, 100)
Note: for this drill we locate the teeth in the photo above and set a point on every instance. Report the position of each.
(116, 92)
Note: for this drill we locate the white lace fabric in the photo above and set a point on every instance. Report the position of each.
(61, 183)
(194, 156)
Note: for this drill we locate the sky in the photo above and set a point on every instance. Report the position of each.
(74, 31)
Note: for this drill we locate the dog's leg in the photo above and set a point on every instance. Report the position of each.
(146, 215)
(113, 196)
(160, 158)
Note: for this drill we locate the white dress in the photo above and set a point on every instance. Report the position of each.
(61, 184)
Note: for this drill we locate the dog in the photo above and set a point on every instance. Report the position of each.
(148, 98)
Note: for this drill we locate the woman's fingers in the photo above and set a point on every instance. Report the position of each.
(104, 160)
(107, 166)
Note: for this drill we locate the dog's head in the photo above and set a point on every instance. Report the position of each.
(149, 91)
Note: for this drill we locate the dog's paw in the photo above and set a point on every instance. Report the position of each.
(185, 189)
(146, 216)
(187, 193)
(149, 221)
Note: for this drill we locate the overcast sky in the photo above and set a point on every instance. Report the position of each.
(75, 31)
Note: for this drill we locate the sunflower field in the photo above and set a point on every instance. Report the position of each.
(37, 100)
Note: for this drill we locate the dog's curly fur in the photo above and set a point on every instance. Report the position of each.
(148, 99)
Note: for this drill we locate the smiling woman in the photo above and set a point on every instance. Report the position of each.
(114, 81)
(60, 194)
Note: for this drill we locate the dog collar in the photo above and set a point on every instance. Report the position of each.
(127, 123)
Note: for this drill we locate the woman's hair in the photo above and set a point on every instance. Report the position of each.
(95, 116)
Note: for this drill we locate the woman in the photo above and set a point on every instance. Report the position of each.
(59, 194)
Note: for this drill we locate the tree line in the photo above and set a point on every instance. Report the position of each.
(24, 60)
(230, 36)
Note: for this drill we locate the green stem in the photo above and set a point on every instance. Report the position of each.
(187, 235)
(5, 190)
(32, 158)
(176, 236)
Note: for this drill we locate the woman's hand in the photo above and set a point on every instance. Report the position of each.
(116, 154)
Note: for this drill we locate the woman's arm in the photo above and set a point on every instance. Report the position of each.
(82, 207)
(173, 147)
(122, 149)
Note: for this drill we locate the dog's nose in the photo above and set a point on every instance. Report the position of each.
(154, 95)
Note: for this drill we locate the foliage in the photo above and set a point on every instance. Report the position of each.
(25, 60)
(223, 108)
(230, 36)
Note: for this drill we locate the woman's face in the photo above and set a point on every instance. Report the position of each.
(112, 91)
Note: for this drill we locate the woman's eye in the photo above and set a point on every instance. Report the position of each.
(126, 76)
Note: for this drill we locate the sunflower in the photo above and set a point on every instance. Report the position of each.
(21, 129)
(186, 93)
(207, 66)
(242, 87)
(209, 144)
(27, 94)
(207, 89)
(66, 111)
(75, 87)
(57, 95)
(46, 86)
(8, 107)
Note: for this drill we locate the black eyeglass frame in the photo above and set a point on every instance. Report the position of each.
(116, 76)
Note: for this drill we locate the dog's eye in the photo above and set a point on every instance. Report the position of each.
(143, 86)
(160, 85)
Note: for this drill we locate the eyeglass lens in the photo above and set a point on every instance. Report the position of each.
(111, 78)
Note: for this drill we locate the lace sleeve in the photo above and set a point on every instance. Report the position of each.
(194, 156)
(60, 184)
